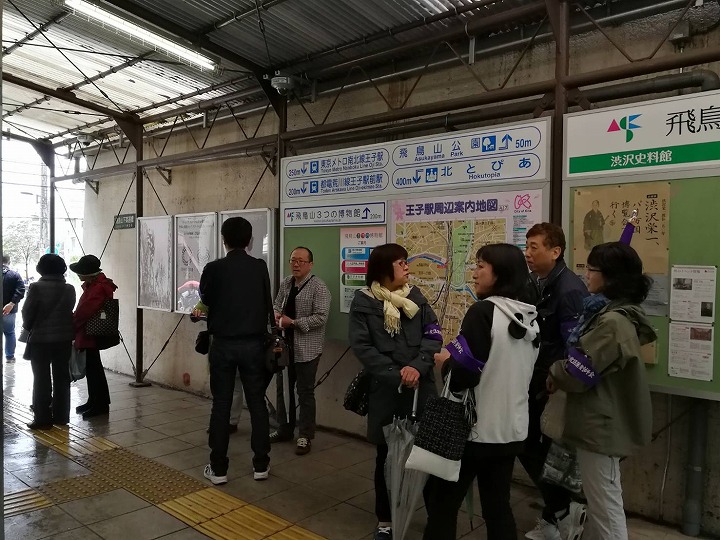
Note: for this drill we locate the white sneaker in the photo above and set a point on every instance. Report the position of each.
(544, 531)
(571, 526)
(261, 475)
(214, 478)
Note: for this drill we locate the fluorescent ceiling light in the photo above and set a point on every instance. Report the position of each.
(137, 32)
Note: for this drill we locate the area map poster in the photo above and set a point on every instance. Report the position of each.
(442, 236)
(196, 245)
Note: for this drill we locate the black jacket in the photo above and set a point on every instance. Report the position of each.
(13, 288)
(559, 303)
(384, 356)
(236, 290)
(48, 311)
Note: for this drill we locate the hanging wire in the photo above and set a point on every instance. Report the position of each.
(167, 342)
(69, 218)
(156, 193)
(118, 213)
(261, 24)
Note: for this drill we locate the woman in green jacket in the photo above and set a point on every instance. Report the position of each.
(608, 413)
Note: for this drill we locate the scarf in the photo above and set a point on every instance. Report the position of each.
(591, 307)
(393, 301)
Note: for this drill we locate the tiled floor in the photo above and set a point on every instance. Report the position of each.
(328, 493)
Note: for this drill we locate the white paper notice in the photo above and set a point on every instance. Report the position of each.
(692, 297)
(691, 351)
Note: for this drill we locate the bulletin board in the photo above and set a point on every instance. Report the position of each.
(656, 156)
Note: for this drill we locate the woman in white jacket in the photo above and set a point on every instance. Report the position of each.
(499, 339)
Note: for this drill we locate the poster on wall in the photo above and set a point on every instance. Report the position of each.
(693, 293)
(195, 246)
(263, 238)
(356, 243)
(442, 236)
(691, 351)
(155, 263)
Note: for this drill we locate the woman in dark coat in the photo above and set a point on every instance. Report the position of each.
(47, 317)
(395, 334)
(97, 289)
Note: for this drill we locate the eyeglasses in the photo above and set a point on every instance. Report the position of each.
(298, 261)
(588, 269)
(402, 262)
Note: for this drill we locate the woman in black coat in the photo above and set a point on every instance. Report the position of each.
(47, 318)
(395, 334)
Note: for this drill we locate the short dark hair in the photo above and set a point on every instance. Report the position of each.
(51, 264)
(554, 235)
(509, 267)
(310, 253)
(380, 263)
(622, 270)
(236, 232)
(6, 259)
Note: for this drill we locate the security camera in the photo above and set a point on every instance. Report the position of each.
(85, 138)
(282, 83)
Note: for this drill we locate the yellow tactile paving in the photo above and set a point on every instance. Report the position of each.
(246, 523)
(296, 533)
(83, 447)
(24, 501)
(202, 506)
(79, 487)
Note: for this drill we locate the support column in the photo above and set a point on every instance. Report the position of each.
(280, 153)
(694, 475)
(46, 151)
(559, 15)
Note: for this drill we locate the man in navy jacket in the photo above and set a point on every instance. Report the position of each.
(13, 292)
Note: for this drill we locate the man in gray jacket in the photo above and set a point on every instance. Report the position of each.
(301, 309)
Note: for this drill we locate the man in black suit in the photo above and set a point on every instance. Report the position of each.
(236, 292)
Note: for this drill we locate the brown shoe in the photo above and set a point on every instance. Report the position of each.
(303, 446)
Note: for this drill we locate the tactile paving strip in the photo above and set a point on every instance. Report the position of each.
(202, 506)
(24, 501)
(148, 479)
(246, 523)
(70, 489)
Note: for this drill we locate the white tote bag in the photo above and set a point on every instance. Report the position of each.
(552, 420)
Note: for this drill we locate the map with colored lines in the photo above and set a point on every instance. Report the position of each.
(442, 259)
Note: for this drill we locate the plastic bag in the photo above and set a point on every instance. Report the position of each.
(77, 363)
(562, 469)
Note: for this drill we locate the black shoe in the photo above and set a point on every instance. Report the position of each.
(62, 422)
(40, 425)
(84, 407)
(96, 411)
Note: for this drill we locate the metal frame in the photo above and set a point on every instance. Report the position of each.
(177, 252)
(171, 226)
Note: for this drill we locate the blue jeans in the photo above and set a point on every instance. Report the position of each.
(228, 357)
(9, 331)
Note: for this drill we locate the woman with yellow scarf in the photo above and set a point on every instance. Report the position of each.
(394, 333)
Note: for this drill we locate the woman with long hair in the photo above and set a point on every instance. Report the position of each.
(394, 333)
(493, 358)
(608, 413)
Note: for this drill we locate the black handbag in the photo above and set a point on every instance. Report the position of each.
(105, 321)
(357, 396)
(277, 352)
(202, 342)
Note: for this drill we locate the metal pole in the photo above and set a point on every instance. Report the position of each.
(695, 478)
(559, 15)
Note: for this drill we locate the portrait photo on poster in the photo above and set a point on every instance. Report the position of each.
(155, 263)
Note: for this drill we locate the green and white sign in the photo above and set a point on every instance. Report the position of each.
(675, 133)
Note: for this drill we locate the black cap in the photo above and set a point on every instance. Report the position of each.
(86, 266)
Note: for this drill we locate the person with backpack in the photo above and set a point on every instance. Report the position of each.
(97, 289)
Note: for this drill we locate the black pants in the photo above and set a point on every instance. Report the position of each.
(301, 375)
(98, 393)
(443, 499)
(382, 501)
(247, 357)
(51, 398)
(556, 499)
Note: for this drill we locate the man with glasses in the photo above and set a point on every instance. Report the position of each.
(301, 309)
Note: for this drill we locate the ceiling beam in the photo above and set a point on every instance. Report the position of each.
(65, 95)
(239, 16)
(199, 41)
(32, 35)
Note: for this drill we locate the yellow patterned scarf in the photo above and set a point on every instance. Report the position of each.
(393, 302)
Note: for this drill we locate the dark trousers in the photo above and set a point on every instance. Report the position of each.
(382, 501)
(556, 499)
(301, 375)
(443, 499)
(98, 393)
(247, 357)
(51, 398)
